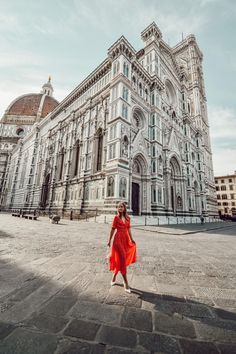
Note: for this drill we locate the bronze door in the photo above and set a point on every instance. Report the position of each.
(135, 198)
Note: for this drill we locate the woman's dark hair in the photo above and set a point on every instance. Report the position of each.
(124, 212)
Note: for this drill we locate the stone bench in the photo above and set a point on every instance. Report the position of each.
(16, 214)
(30, 217)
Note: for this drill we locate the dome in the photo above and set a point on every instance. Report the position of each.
(32, 105)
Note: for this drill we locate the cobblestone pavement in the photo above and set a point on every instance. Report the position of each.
(55, 294)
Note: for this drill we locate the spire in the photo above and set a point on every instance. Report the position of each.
(47, 88)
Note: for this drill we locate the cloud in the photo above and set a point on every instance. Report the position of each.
(9, 23)
(224, 161)
(136, 15)
(19, 58)
(223, 123)
(223, 138)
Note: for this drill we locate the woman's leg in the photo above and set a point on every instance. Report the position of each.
(114, 276)
(125, 281)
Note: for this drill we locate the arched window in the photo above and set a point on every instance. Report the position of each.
(153, 99)
(124, 111)
(170, 93)
(110, 187)
(153, 120)
(154, 194)
(126, 69)
(122, 187)
(99, 150)
(146, 94)
(86, 193)
(75, 159)
(116, 66)
(134, 82)
(140, 89)
(125, 93)
(154, 166)
(61, 163)
(160, 165)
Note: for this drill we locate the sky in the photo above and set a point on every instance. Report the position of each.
(67, 39)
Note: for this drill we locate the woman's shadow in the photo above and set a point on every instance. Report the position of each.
(169, 308)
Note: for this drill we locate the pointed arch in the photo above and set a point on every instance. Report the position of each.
(61, 163)
(75, 159)
(98, 150)
(138, 118)
(140, 161)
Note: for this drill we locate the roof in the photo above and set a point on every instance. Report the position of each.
(29, 105)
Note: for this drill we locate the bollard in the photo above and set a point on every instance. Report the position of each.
(71, 214)
(95, 218)
(158, 221)
(177, 221)
(105, 219)
(145, 221)
(184, 220)
(168, 220)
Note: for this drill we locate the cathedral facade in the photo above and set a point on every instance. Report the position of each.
(135, 130)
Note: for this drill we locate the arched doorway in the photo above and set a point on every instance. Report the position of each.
(196, 200)
(139, 195)
(45, 192)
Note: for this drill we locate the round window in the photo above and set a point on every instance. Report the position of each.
(20, 132)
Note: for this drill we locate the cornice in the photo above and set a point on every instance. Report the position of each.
(225, 176)
(121, 46)
(139, 69)
(97, 74)
(151, 30)
(150, 80)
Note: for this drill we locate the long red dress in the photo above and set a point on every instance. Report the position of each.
(123, 251)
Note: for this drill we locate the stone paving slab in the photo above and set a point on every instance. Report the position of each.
(110, 314)
(176, 325)
(197, 347)
(117, 336)
(57, 296)
(46, 322)
(82, 329)
(138, 319)
(24, 341)
(77, 347)
(159, 343)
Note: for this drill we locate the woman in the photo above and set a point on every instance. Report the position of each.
(123, 251)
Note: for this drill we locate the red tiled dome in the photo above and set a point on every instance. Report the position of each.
(29, 105)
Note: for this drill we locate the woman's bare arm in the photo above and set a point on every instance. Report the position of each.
(110, 237)
(130, 235)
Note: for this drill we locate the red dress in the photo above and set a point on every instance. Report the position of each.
(123, 251)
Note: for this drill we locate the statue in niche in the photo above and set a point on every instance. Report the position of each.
(124, 147)
(179, 202)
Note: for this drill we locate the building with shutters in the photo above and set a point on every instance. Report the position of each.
(226, 194)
